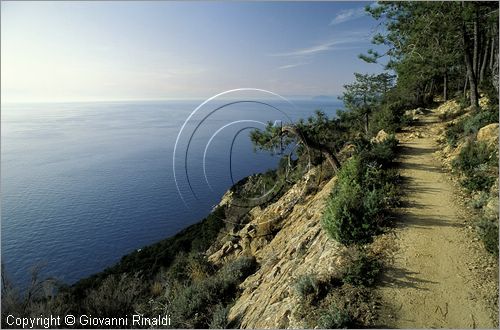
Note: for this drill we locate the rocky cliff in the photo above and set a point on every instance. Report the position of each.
(287, 240)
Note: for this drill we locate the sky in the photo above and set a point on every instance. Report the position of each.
(125, 50)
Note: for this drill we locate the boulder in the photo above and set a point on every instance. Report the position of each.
(419, 111)
(414, 113)
(489, 134)
(347, 151)
(449, 108)
(491, 207)
(484, 102)
(255, 212)
(380, 137)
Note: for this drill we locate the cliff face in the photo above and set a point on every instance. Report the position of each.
(287, 240)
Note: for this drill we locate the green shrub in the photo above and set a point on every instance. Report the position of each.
(376, 178)
(391, 191)
(35, 299)
(363, 194)
(406, 119)
(480, 200)
(362, 271)
(334, 318)
(454, 132)
(473, 155)
(219, 317)
(381, 153)
(187, 267)
(463, 101)
(388, 119)
(307, 285)
(116, 296)
(391, 117)
(474, 162)
(470, 125)
(343, 218)
(194, 304)
(352, 171)
(384, 152)
(488, 231)
(491, 93)
(239, 269)
(353, 216)
(479, 179)
(374, 205)
(265, 188)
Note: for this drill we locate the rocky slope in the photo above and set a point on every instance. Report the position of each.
(287, 240)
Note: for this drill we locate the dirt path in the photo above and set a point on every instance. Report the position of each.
(430, 283)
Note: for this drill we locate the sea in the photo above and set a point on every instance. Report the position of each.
(84, 183)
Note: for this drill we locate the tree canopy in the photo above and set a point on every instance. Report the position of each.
(438, 45)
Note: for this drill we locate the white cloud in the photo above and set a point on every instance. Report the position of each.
(289, 66)
(309, 50)
(324, 47)
(348, 15)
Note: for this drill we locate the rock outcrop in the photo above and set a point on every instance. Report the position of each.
(449, 109)
(415, 114)
(380, 137)
(488, 134)
(287, 240)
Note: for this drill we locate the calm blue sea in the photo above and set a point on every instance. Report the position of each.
(82, 184)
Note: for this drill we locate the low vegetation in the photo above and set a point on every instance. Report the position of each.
(477, 168)
(469, 125)
(488, 231)
(307, 285)
(477, 163)
(364, 194)
(332, 317)
(201, 302)
(345, 301)
(362, 271)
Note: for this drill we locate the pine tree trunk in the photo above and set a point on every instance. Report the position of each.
(366, 113)
(476, 45)
(492, 55)
(474, 99)
(366, 122)
(431, 91)
(484, 61)
(466, 83)
(329, 155)
(494, 70)
(445, 85)
(469, 64)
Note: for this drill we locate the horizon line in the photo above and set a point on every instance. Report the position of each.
(2, 102)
